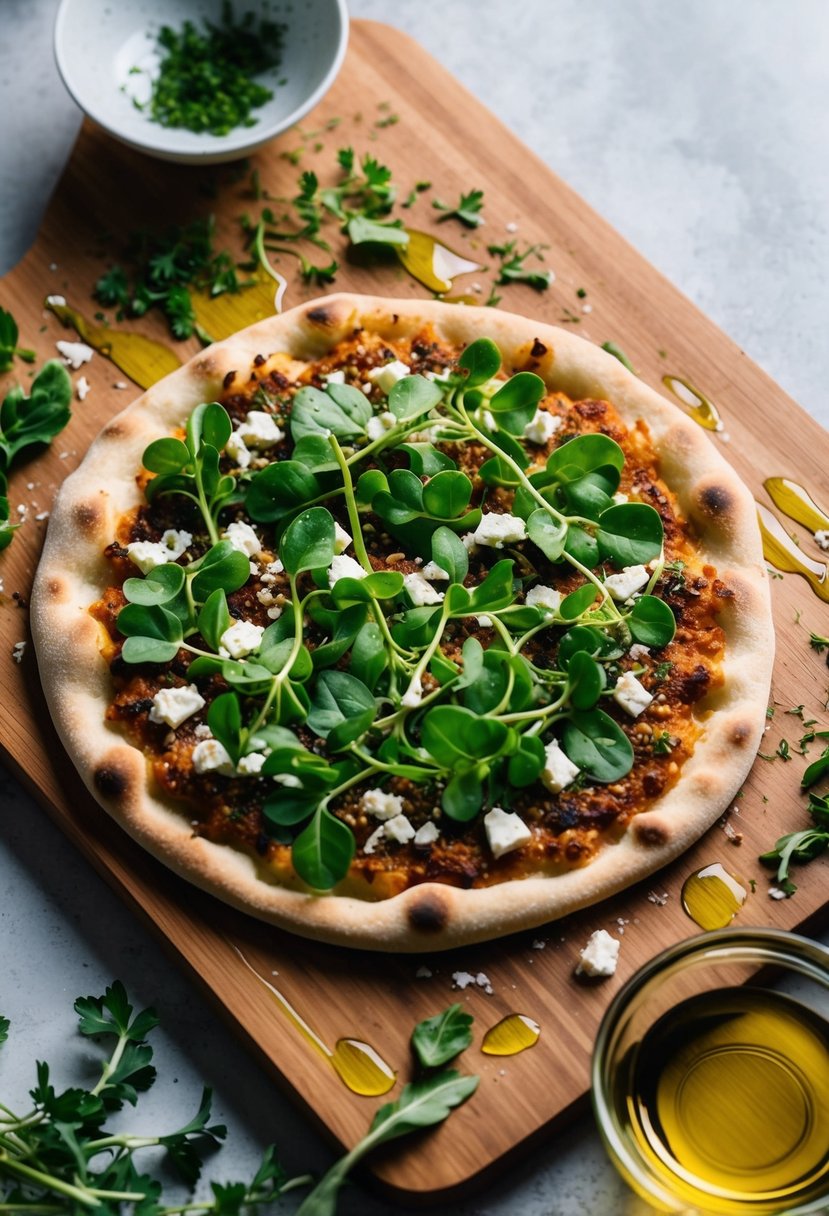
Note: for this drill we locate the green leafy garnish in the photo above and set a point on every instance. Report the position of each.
(205, 80)
(618, 353)
(802, 846)
(438, 1040)
(468, 210)
(513, 269)
(9, 334)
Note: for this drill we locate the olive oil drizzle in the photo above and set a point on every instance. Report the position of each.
(513, 1034)
(713, 896)
(431, 262)
(358, 1065)
(795, 501)
(221, 316)
(142, 359)
(786, 555)
(701, 409)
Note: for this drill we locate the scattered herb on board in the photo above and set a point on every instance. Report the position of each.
(28, 421)
(818, 643)
(468, 209)
(800, 846)
(205, 78)
(59, 1157)
(9, 334)
(165, 268)
(618, 353)
(513, 270)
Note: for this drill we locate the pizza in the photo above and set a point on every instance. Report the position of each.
(403, 624)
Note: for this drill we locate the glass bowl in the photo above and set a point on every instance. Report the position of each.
(710, 1075)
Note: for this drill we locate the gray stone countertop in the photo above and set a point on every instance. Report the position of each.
(702, 133)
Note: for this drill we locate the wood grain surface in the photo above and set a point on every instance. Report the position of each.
(445, 135)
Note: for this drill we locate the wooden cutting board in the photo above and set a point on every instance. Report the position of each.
(438, 131)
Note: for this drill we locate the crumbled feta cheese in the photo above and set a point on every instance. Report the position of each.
(420, 590)
(56, 301)
(259, 430)
(147, 554)
(511, 226)
(203, 731)
(173, 705)
(777, 893)
(240, 639)
(497, 530)
(822, 539)
(559, 769)
(505, 831)
(341, 539)
(433, 571)
(600, 956)
(387, 376)
(381, 804)
(210, 756)
(541, 428)
(344, 567)
(374, 839)
(243, 538)
(484, 621)
(275, 612)
(41, 515)
(82, 387)
(237, 450)
(251, 764)
(399, 830)
(630, 695)
(462, 979)
(638, 651)
(377, 426)
(623, 586)
(426, 834)
(468, 541)
(654, 897)
(337, 377)
(483, 981)
(18, 651)
(413, 695)
(545, 598)
(75, 354)
(620, 498)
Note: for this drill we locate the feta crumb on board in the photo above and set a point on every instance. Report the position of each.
(423, 973)
(777, 893)
(496, 530)
(505, 831)
(630, 695)
(386, 377)
(822, 539)
(240, 639)
(174, 705)
(18, 651)
(82, 387)
(465, 979)
(600, 956)
(623, 586)
(75, 354)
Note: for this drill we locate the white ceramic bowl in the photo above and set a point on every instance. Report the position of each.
(99, 42)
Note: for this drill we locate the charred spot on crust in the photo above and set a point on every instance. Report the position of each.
(111, 781)
(740, 734)
(88, 516)
(716, 500)
(538, 348)
(651, 834)
(228, 380)
(115, 430)
(322, 316)
(55, 588)
(428, 913)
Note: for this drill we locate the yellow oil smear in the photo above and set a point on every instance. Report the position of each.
(700, 408)
(514, 1033)
(432, 263)
(462, 299)
(357, 1064)
(785, 554)
(142, 359)
(713, 896)
(795, 501)
(221, 316)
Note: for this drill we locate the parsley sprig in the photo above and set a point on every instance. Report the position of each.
(468, 210)
(800, 847)
(513, 268)
(478, 731)
(59, 1157)
(9, 334)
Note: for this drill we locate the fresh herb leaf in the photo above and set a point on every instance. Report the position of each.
(438, 1040)
(467, 210)
(9, 334)
(514, 270)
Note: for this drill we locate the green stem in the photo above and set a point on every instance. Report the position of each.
(351, 506)
(258, 245)
(425, 658)
(48, 1182)
(111, 1064)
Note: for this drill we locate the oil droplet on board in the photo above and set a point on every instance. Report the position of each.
(795, 501)
(361, 1068)
(142, 359)
(512, 1034)
(432, 263)
(223, 315)
(357, 1064)
(701, 409)
(785, 554)
(713, 896)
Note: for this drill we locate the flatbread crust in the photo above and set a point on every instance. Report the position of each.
(429, 916)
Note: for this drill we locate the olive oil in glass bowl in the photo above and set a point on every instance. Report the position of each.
(711, 1083)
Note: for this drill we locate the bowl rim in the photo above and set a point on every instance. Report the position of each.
(237, 143)
(737, 941)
